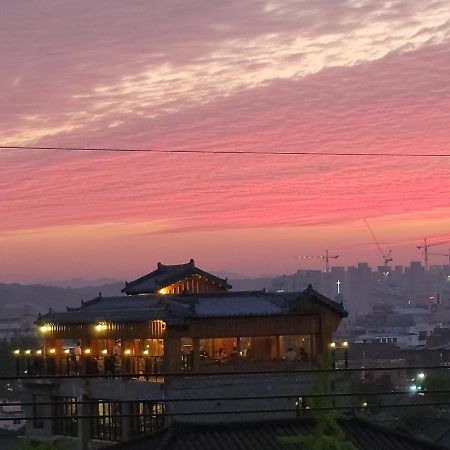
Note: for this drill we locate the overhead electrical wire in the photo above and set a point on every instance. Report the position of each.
(224, 152)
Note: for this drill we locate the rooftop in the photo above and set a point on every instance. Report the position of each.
(266, 435)
(165, 275)
(182, 307)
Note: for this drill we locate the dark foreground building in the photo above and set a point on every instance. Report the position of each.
(179, 333)
(272, 435)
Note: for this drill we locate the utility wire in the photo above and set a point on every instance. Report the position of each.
(224, 152)
(234, 411)
(303, 395)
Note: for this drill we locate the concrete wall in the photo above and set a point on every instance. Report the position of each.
(243, 385)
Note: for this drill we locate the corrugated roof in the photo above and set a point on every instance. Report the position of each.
(235, 305)
(268, 436)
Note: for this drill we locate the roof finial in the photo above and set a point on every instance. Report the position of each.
(159, 264)
(192, 262)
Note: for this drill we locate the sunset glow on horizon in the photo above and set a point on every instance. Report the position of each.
(284, 76)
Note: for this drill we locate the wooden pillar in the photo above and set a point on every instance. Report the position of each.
(195, 354)
(278, 347)
(172, 354)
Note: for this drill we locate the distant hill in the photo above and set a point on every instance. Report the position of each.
(81, 282)
(44, 297)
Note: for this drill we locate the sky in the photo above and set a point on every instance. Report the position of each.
(354, 76)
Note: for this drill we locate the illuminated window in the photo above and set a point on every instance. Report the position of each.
(107, 423)
(148, 417)
(64, 420)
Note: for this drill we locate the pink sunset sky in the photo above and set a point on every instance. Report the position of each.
(324, 75)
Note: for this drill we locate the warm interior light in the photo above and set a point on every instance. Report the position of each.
(98, 327)
(163, 291)
(52, 351)
(87, 351)
(66, 351)
(44, 329)
(105, 351)
(38, 352)
(128, 352)
(17, 352)
(27, 352)
(145, 352)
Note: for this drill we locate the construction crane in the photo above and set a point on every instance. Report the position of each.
(425, 248)
(387, 258)
(326, 257)
(442, 254)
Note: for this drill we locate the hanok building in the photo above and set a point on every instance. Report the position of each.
(177, 319)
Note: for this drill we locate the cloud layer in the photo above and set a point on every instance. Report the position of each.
(339, 76)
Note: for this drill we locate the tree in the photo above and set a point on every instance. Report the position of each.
(327, 433)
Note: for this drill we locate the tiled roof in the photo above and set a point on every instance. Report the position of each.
(166, 275)
(183, 307)
(268, 436)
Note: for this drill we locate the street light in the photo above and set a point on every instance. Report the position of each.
(344, 346)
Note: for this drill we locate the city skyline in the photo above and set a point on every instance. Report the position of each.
(339, 77)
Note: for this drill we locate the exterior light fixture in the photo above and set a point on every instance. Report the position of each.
(105, 351)
(364, 404)
(38, 352)
(128, 352)
(27, 352)
(66, 351)
(101, 327)
(44, 329)
(420, 376)
(345, 344)
(16, 352)
(145, 352)
(52, 351)
(87, 351)
(333, 345)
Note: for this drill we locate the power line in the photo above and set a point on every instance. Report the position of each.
(224, 152)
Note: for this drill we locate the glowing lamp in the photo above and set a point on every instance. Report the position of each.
(66, 351)
(333, 345)
(364, 404)
(16, 352)
(345, 344)
(128, 352)
(38, 352)
(27, 352)
(44, 329)
(145, 352)
(52, 351)
(105, 351)
(87, 351)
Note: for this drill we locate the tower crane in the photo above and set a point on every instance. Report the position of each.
(326, 257)
(425, 248)
(387, 258)
(442, 254)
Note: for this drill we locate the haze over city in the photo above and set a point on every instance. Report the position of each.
(346, 77)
